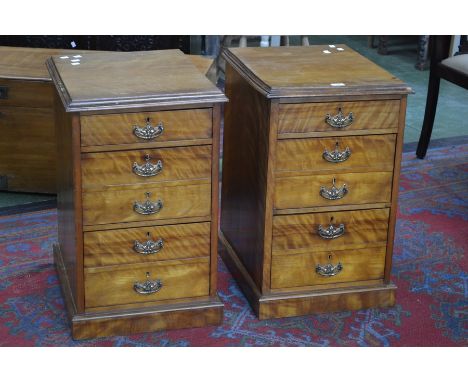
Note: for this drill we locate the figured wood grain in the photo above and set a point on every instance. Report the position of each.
(161, 317)
(299, 304)
(113, 247)
(113, 129)
(368, 153)
(180, 200)
(368, 115)
(293, 71)
(303, 191)
(28, 151)
(105, 170)
(299, 269)
(118, 80)
(307, 210)
(293, 234)
(245, 172)
(27, 93)
(105, 286)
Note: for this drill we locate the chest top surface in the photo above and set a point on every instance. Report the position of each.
(101, 81)
(28, 63)
(319, 70)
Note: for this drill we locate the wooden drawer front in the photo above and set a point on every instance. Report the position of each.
(116, 206)
(366, 153)
(367, 115)
(107, 286)
(27, 149)
(114, 129)
(116, 168)
(289, 271)
(113, 247)
(304, 191)
(26, 93)
(300, 233)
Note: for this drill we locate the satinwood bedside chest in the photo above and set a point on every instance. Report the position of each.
(312, 146)
(138, 140)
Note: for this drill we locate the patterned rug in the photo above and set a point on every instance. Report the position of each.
(430, 270)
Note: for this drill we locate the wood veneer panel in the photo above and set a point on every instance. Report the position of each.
(106, 286)
(245, 169)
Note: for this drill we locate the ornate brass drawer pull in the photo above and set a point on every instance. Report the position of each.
(148, 286)
(331, 232)
(149, 247)
(333, 193)
(148, 207)
(329, 269)
(148, 132)
(336, 156)
(339, 121)
(147, 169)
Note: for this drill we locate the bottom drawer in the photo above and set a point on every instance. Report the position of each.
(320, 268)
(125, 284)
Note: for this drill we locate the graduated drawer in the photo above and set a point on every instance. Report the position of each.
(146, 244)
(336, 154)
(118, 168)
(26, 93)
(326, 231)
(106, 286)
(309, 269)
(310, 117)
(117, 129)
(302, 191)
(180, 199)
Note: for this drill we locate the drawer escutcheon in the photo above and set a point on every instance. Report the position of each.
(329, 269)
(339, 120)
(148, 286)
(331, 232)
(148, 132)
(337, 156)
(149, 247)
(147, 169)
(148, 207)
(333, 193)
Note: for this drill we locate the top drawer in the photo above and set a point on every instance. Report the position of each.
(26, 93)
(334, 117)
(152, 127)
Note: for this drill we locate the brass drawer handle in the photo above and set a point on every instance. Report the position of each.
(149, 247)
(336, 156)
(329, 269)
(148, 207)
(148, 132)
(331, 232)
(3, 92)
(333, 193)
(339, 121)
(147, 169)
(148, 286)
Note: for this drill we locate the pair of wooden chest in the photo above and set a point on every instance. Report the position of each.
(312, 144)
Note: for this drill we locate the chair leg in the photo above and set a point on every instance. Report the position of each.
(429, 116)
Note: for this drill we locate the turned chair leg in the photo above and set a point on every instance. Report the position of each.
(429, 116)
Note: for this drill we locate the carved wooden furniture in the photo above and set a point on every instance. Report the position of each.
(312, 144)
(453, 69)
(27, 132)
(138, 192)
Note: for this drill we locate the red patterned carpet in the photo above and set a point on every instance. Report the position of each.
(430, 270)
